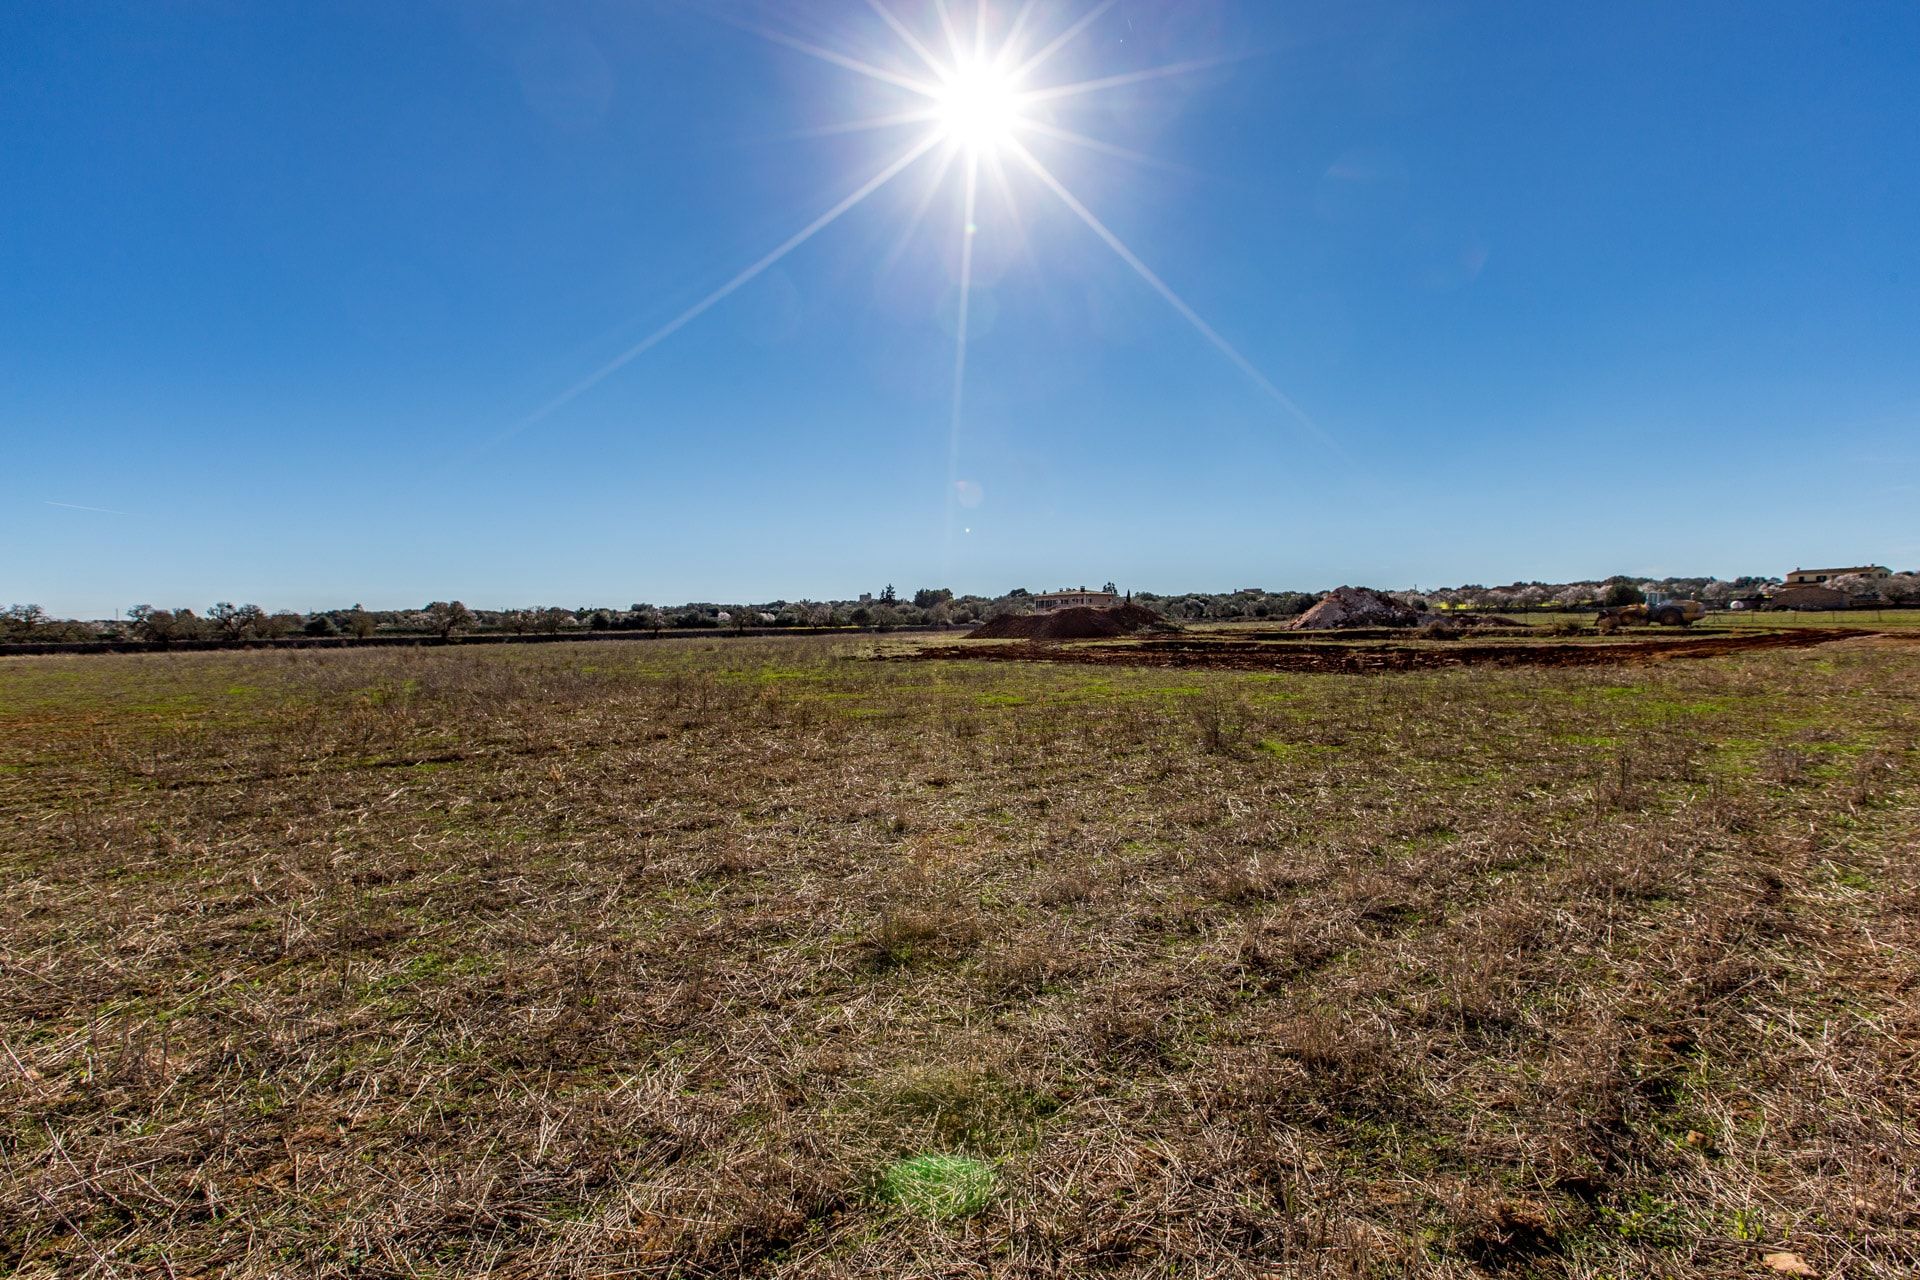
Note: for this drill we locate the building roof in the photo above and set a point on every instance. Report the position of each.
(1856, 568)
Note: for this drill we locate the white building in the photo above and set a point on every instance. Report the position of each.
(1072, 598)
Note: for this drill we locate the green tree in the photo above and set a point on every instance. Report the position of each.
(20, 621)
(447, 617)
(1621, 592)
(236, 622)
(165, 626)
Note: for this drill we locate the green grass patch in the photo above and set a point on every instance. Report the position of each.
(939, 1186)
(1296, 750)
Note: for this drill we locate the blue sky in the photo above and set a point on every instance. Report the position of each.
(1568, 289)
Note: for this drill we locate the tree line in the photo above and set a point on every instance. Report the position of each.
(887, 608)
(242, 623)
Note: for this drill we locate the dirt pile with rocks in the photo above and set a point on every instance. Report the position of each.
(1074, 624)
(1345, 607)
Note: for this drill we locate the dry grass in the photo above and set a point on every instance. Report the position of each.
(656, 958)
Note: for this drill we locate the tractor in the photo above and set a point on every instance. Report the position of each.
(1666, 613)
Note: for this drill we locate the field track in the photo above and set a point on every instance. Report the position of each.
(1361, 659)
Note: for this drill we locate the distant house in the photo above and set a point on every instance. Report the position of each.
(1812, 577)
(1069, 598)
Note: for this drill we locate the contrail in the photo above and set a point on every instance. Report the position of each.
(74, 506)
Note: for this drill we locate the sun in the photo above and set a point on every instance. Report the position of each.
(978, 106)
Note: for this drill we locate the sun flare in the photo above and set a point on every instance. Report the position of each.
(985, 105)
(978, 107)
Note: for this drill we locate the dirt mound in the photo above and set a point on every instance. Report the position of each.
(1450, 626)
(1073, 624)
(1345, 607)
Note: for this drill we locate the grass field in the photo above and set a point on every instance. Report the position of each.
(1883, 619)
(737, 957)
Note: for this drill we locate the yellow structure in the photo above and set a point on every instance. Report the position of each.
(1068, 598)
(1813, 577)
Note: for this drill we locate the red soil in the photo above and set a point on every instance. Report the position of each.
(1364, 659)
(1073, 624)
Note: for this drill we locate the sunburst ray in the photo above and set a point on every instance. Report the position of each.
(844, 61)
(1062, 40)
(969, 207)
(953, 35)
(918, 213)
(870, 124)
(1053, 93)
(906, 35)
(1010, 46)
(1077, 139)
(705, 304)
(1166, 292)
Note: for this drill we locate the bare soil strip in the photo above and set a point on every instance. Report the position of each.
(1366, 658)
